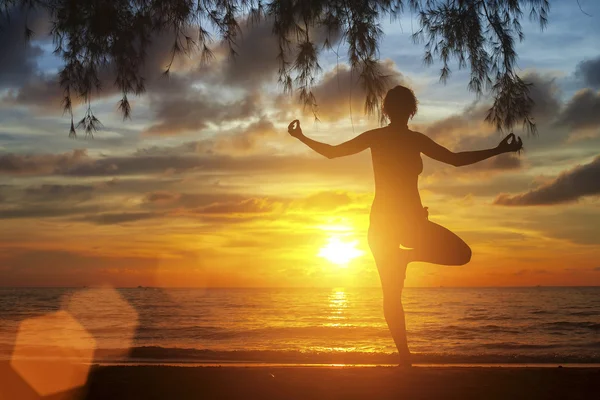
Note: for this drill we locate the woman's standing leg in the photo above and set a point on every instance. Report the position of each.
(392, 271)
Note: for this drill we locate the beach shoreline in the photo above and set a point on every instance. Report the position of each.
(326, 382)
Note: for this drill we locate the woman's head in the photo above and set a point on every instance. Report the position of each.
(400, 104)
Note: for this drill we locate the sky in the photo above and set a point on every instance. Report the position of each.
(203, 187)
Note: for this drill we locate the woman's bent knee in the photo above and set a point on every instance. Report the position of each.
(465, 254)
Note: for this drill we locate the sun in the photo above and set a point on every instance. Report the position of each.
(340, 252)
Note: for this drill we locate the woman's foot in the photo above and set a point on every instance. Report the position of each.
(405, 360)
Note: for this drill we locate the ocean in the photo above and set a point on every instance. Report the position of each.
(339, 325)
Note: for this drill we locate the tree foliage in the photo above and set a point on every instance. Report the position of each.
(478, 34)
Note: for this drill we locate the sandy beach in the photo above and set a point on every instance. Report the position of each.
(270, 383)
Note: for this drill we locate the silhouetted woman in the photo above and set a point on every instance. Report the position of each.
(397, 215)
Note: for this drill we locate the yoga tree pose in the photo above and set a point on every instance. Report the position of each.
(397, 216)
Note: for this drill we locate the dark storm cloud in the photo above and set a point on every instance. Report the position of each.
(582, 111)
(569, 186)
(589, 71)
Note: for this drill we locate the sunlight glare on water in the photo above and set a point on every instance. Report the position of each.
(444, 324)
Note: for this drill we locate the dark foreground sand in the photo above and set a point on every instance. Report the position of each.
(164, 382)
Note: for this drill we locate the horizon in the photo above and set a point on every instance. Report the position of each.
(292, 287)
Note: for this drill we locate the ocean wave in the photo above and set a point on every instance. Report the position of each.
(520, 346)
(266, 356)
(489, 318)
(584, 313)
(571, 325)
(271, 333)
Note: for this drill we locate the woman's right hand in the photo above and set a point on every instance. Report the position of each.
(294, 129)
(510, 143)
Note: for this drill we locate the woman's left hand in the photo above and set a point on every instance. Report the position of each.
(510, 143)
(294, 129)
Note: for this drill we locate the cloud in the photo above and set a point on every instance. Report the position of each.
(466, 123)
(545, 94)
(78, 268)
(118, 218)
(589, 71)
(162, 197)
(469, 128)
(40, 164)
(247, 139)
(18, 58)
(340, 92)
(255, 61)
(79, 164)
(180, 102)
(502, 162)
(538, 271)
(247, 206)
(44, 211)
(582, 111)
(196, 109)
(56, 192)
(569, 186)
(241, 140)
(42, 90)
(327, 200)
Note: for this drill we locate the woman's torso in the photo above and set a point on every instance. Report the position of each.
(397, 163)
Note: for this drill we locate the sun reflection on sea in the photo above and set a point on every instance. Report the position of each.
(338, 303)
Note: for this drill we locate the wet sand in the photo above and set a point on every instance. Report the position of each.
(271, 383)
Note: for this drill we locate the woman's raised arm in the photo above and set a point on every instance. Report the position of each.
(433, 150)
(352, 146)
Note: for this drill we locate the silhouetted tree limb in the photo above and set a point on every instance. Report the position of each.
(479, 34)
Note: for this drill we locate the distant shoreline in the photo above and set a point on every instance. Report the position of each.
(155, 355)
